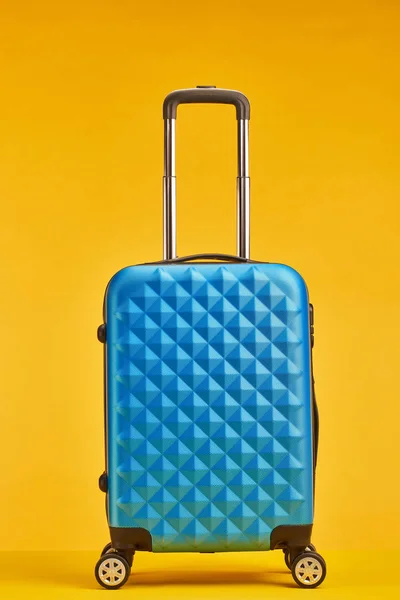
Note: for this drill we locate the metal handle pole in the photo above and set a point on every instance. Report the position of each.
(243, 191)
(169, 187)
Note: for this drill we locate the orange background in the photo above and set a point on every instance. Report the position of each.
(80, 187)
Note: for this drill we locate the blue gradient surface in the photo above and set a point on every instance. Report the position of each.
(209, 404)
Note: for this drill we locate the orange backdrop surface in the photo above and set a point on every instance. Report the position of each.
(80, 188)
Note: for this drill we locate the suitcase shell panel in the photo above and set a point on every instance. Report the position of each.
(209, 420)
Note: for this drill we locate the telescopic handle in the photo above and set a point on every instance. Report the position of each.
(201, 95)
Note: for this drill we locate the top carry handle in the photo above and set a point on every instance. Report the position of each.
(209, 95)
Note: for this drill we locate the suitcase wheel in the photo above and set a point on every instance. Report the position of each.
(127, 554)
(308, 569)
(112, 570)
(310, 548)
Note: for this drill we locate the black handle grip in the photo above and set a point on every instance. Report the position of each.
(206, 95)
(212, 256)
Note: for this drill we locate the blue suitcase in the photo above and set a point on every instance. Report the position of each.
(210, 414)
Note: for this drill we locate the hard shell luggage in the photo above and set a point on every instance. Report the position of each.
(210, 416)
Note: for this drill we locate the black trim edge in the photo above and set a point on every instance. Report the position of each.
(131, 538)
(291, 536)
